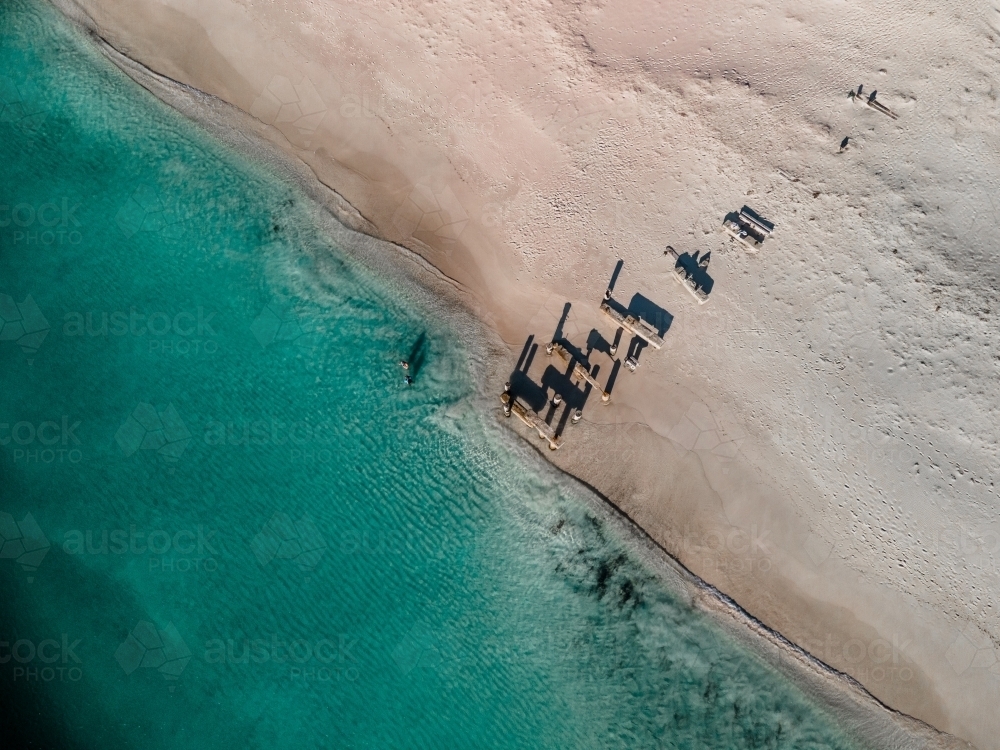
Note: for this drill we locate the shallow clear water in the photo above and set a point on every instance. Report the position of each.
(230, 524)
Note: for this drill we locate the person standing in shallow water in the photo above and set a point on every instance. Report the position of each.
(406, 377)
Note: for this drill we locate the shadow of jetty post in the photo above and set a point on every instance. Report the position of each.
(527, 397)
(523, 397)
(692, 273)
(748, 227)
(521, 385)
(418, 355)
(614, 278)
(558, 334)
(636, 320)
(579, 371)
(647, 310)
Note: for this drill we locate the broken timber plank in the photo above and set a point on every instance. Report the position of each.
(634, 325)
(875, 104)
(531, 418)
(579, 370)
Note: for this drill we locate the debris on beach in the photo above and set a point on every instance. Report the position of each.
(748, 227)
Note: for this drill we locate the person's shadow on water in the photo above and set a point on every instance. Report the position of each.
(418, 355)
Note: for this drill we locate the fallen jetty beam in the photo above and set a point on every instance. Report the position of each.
(763, 226)
(580, 372)
(736, 230)
(689, 283)
(749, 228)
(882, 108)
(685, 279)
(873, 102)
(634, 325)
(531, 418)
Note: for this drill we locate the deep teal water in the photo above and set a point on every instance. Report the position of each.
(228, 522)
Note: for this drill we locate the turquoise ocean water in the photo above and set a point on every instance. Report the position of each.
(226, 521)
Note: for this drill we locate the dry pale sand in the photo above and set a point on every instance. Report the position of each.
(819, 440)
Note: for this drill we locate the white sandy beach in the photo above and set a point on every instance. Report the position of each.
(819, 440)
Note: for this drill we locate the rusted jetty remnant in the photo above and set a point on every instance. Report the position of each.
(634, 325)
(749, 228)
(580, 372)
(530, 418)
(686, 278)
